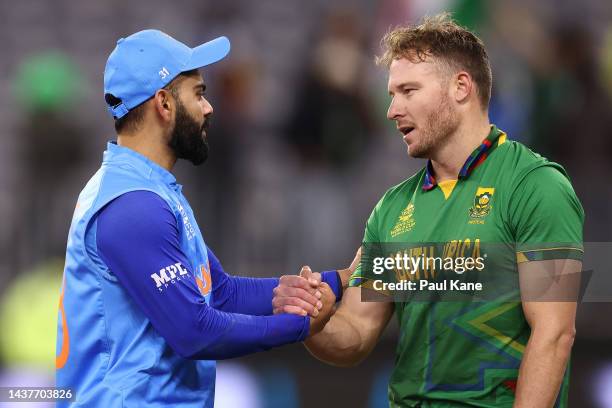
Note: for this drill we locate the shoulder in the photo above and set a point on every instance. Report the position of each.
(535, 181)
(523, 164)
(137, 201)
(124, 176)
(136, 210)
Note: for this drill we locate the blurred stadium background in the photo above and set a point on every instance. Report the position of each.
(300, 153)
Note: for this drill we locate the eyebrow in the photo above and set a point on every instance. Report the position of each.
(402, 85)
(200, 87)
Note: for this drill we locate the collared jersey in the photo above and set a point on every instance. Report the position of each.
(455, 354)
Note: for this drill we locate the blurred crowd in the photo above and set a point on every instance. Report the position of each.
(301, 149)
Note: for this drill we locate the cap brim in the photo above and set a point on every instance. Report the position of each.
(208, 53)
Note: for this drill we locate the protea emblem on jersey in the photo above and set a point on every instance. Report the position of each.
(482, 202)
(405, 222)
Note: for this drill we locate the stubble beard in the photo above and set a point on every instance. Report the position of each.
(440, 124)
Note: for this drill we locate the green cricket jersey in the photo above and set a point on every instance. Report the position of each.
(460, 354)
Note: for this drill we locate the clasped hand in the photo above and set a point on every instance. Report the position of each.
(305, 295)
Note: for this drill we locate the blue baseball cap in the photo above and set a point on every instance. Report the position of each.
(149, 60)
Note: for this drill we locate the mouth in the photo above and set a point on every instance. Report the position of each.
(405, 130)
(204, 130)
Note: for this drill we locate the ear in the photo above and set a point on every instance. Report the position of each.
(463, 87)
(164, 105)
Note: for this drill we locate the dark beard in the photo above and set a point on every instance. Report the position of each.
(186, 139)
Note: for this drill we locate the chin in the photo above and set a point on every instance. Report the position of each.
(418, 154)
(413, 152)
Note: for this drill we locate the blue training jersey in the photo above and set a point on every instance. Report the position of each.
(145, 306)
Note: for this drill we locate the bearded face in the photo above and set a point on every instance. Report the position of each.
(421, 106)
(188, 139)
(439, 123)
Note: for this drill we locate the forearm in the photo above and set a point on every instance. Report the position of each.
(252, 296)
(219, 335)
(542, 369)
(340, 343)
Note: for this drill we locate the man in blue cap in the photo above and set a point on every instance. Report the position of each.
(145, 306)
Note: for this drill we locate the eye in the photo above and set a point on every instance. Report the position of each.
(409, 91)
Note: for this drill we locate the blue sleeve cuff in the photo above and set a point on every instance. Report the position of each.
(305, 329)
(332, 278)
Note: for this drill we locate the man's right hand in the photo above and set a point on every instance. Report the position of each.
(328, 299)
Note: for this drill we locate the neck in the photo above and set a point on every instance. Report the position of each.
(158, 153)
(449, 159)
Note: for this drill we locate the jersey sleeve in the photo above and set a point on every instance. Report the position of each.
(546, 217)
(137, 236)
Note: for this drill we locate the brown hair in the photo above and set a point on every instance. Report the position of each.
(446, 41)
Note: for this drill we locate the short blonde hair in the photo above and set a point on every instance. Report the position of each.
(440, 37)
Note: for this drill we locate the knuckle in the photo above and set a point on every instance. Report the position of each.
(307, 297)
(304, 305)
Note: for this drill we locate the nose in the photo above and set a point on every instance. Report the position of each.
(394, 111)
(207, 108)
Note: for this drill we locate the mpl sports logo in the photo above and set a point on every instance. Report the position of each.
(169, 276)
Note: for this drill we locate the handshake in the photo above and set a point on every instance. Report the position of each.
(307, 295)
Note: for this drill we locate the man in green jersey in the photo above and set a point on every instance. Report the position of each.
(478, 187)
